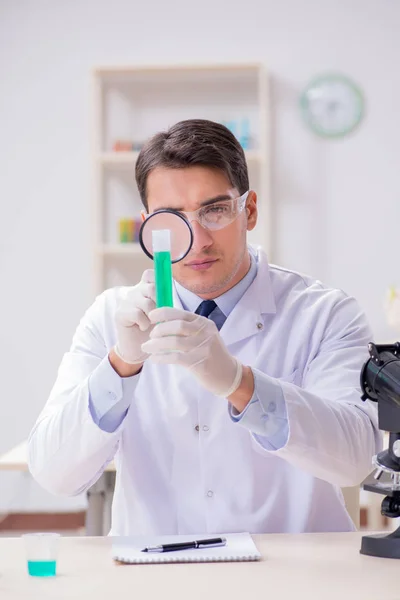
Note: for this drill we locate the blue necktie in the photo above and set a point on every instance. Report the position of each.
(205, 308)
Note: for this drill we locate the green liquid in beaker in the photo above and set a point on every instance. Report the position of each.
(163, 278)
(42, 568)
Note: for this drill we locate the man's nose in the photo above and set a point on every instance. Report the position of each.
(201, 237)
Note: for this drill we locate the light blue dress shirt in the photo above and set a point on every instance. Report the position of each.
(267, 421)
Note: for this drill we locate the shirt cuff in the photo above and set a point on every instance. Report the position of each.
(110, 396)
(265, 415)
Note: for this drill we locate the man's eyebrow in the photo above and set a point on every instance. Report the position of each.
(219, 198)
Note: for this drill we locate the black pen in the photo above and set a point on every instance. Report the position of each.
(187, 545)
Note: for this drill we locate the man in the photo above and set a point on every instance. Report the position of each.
(237, 410)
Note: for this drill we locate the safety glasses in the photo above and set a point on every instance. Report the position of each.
(218, 215)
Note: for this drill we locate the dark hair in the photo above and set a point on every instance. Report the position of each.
(189, 143)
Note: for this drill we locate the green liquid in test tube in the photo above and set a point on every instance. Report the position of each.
(162, 267)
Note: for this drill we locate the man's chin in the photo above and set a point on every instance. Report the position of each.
(203, 285)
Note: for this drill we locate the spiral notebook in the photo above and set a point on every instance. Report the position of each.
(239, 547)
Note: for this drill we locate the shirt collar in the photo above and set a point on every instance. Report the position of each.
(227, 301)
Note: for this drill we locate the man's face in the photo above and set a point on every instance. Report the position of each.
(218, 258)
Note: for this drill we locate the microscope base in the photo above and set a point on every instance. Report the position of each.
(385, 546)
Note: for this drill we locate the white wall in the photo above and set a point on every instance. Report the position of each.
(338, 208)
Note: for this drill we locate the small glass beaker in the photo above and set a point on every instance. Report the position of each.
(41, 553)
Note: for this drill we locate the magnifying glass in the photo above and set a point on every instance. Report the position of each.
(166, 237)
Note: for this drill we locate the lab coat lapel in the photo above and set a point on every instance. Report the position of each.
(248, 316)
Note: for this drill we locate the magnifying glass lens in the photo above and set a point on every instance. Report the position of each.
(180, 231)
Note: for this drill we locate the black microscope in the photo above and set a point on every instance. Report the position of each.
(380, 382)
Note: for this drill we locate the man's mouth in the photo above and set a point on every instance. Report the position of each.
(201, 265)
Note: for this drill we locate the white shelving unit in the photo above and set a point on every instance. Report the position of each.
(133, 103)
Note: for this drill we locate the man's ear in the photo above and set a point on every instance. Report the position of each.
(251, 210)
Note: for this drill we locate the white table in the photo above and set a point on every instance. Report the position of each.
(99, 496)
(306, 566)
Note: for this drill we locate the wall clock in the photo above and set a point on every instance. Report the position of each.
(332, 105)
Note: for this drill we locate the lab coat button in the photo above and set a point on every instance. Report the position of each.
(210, 493)
(205, 428)
(197, 428)
(272, 407)
(260, 325)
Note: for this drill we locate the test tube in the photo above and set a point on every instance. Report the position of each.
(161, 239)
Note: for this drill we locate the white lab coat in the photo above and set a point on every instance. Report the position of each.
(183, 465)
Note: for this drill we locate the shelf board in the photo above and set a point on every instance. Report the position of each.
(180, 68)
(128, 249)
(109, 159)
(219, 73)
